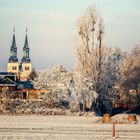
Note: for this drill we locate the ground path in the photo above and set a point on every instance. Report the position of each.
(62, 128)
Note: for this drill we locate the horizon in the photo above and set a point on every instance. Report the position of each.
(52, 28)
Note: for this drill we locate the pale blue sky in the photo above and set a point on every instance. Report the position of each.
(52, 27)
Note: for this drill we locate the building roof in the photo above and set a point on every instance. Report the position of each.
(7, 82)
(6, 73)
(11, 76)
(25, 85)
(13, 50)
(26, 50)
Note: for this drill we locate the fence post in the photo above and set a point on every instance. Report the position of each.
(113, 130)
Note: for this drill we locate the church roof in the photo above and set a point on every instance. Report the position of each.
(13, 56)
(26, 51)
(26, 42)
(13, 41)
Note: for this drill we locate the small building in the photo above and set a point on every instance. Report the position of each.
(7, 84)
(11, 82)
(8, 81)
(24, 85)
(9, 75)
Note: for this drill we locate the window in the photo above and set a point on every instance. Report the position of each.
(26, 68)
(14, 68)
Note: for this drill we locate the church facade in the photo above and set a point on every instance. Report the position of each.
(21, 69)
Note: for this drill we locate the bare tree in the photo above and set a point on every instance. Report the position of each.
(86, 26)
(91, 53)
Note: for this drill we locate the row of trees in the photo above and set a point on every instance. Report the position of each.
(108, 68)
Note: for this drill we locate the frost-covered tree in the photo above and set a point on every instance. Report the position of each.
(130, 70)
(91, 52)
(113, 71)
(33, 74)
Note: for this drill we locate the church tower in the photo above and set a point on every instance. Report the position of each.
(26, 66)
(13, 65)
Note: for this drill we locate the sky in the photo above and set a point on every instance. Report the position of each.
(52, 28)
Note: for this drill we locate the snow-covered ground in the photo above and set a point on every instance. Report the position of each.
(63, 128)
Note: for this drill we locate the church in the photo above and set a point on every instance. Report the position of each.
(17, 77)
(23, 68)
(18, 73)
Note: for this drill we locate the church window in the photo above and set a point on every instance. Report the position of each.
(14, 68)
(26, 68)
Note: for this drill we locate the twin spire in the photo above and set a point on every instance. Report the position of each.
(13, 57)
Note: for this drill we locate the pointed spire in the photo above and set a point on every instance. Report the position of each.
(14, 40)
(13, 49)
(26, 29)
(26, 41)
(14, 29)
(26, 50)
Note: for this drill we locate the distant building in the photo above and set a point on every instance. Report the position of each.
(23, 69)
(10, 82)
(13, 65)
(17, 79)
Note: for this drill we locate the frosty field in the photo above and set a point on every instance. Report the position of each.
(63, 128)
